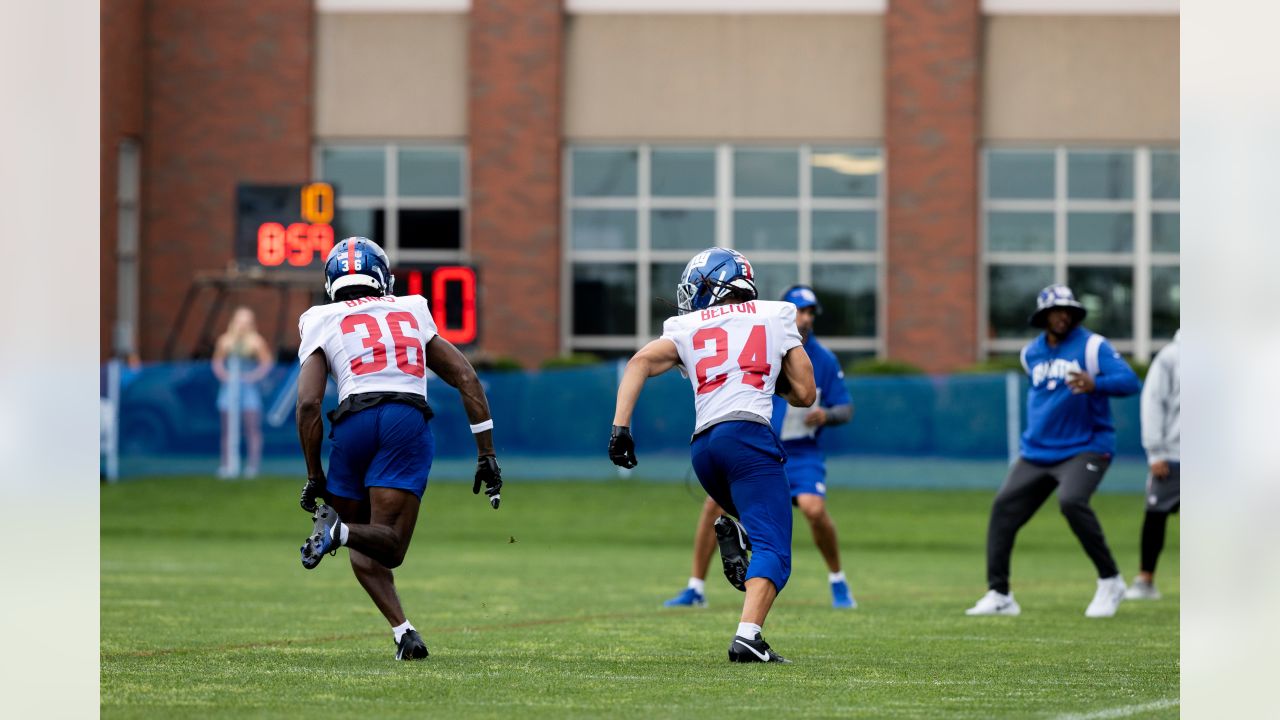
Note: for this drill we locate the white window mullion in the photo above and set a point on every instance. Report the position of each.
(983, 283)
(1060, 216)
(882, 262)
(566, 252)
(724, 195)
(464, 188)
(643, 280)
(1142, 257)
(806, 224)
(391, 217)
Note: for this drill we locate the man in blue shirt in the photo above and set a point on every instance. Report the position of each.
(806, 468)
(1067, 445)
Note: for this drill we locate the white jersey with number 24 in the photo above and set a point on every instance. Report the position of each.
(732, 355)
(372, 344)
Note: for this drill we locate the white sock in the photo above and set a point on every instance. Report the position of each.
(835, 577)
(699, 585)
(401, 629)
(748, 630)
(341, 531)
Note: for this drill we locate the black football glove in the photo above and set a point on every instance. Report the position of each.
(490, 475)
(622, 447)
(314, 488)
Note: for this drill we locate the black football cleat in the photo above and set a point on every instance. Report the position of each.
(744, 651)
(322, 538)
(735, 549)
(411, 647)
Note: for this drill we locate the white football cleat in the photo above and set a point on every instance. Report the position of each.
(1107, 599)
(1142, 591)
(994, 603)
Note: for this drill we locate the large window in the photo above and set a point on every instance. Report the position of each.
(410, 199)
(1103, 221)
(635, 215)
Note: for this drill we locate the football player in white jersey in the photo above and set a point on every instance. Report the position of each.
(378, 348)
(736, 350)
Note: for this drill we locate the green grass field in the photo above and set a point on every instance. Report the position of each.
(551, 607)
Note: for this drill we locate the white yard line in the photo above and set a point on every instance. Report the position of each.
(1122, 711)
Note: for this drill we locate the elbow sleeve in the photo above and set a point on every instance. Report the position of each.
(839, 415)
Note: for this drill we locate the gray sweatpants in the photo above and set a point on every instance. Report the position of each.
(1025, 489)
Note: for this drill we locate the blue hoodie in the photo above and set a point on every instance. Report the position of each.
(829, 379)
(1060, 424)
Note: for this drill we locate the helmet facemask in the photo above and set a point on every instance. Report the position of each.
(708, 291)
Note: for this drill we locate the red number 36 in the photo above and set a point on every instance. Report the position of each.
(372, 340)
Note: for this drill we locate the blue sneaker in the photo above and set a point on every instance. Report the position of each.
(840, 595)
(687, 598)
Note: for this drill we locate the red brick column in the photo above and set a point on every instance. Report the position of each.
(122, 83)
(931, 137)
(513, 116)
(229, 87)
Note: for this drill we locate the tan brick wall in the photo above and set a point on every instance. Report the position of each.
(724, 77)
(931, 140)
(122, 82)
(229, 86)
(363, 62)
(515, 57)
(1081, 79)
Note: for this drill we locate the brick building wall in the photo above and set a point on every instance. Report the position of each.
(932, 106)
(513, 116)
(221, 92)
(123, 83)
(228, 100)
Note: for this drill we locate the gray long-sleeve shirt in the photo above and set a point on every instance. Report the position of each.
(1161, 435)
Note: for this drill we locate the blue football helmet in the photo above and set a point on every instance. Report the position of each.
(802, 296)
(358, 261)
(1056, 296)
(711, 275)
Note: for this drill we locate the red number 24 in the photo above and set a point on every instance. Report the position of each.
(372, 340)
(752, 360)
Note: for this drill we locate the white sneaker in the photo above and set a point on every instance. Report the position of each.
(1105, 601)
(1142, 591)
(994, 603)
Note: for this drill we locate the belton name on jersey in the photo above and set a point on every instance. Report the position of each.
(732, 355)
(372, 344)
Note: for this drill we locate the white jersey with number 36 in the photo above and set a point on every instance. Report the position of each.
(372, 344)
(732, 355)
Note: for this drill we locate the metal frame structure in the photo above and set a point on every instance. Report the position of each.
(724, 204)
(1141, 260)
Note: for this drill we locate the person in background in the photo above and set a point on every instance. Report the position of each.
(241, 344)
(737, 352)
(806, 467)
(1067, 446)
(379, 348)
(1161, 438)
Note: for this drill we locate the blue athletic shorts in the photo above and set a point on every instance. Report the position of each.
(806, 471)
(387, 445)
(740, 465)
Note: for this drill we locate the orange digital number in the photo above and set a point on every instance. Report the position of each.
(271, 244)
(317, 203)
(321, 235)
(295, 239)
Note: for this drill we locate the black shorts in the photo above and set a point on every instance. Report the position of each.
(1163, 495)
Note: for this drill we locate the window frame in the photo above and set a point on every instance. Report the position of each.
(724, 204)
(391, 202)
(1141, 260)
